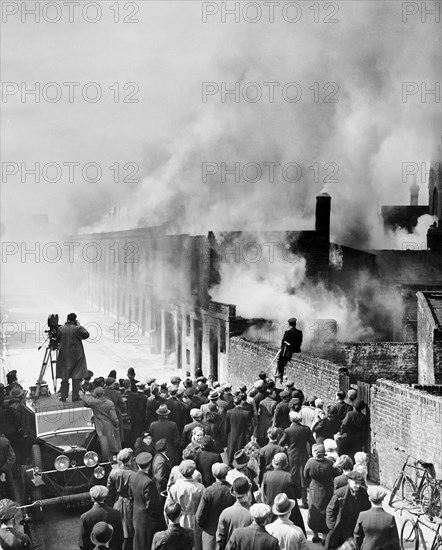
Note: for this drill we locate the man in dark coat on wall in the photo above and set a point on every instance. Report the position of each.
(290, 344)
(71, 360)
(343, 511)
(375, 528)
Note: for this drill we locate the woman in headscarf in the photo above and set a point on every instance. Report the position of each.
(319, 473)
(144, 444)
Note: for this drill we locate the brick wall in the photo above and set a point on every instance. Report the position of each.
(369, 361)
(312, 374)
(400, 416)
(408, 419)
(437, 351)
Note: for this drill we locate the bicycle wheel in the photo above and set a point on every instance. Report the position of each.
(409, 535)
(395, 489)
(425, 499)
(408, 490)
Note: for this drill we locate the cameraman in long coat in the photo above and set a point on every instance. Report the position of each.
(71, 360)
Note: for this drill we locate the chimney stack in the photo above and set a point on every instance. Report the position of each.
(322, 223)
(414, 193)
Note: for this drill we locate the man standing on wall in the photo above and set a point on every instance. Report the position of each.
(291, 343)
(71, 360)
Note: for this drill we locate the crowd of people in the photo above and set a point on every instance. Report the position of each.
(203, 467)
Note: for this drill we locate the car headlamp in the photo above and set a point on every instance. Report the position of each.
(61, 463)
(99, 472)
(90, 459)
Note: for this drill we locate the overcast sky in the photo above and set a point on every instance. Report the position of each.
(364, 54)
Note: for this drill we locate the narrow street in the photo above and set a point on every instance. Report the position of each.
(111, 345)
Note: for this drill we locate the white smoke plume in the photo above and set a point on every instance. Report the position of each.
(368, 54)
(278, 289)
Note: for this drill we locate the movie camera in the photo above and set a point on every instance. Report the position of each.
(53, 327)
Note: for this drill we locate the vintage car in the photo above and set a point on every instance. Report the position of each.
(68, 457)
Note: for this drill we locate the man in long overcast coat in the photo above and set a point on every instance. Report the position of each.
(239, 427)
(71, 360)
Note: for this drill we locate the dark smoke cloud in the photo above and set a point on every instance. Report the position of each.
(170, 133)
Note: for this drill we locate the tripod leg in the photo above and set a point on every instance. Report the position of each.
(54, 379)
(46, 358)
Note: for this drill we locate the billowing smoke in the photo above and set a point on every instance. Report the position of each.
(274, 286)
(348, 133)
(352, 148)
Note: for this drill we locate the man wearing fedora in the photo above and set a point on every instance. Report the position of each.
(343, 510)
(290, 537)
(147, 515)
(100, 512)
(255, 536)
(376, 529)
(163, 428)
(237, 515)
(101, 535)
(290, 344)
(241, 469)
(71, 361)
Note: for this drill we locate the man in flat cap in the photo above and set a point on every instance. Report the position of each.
(100, 512)
(117, 399)
(290, 344)
(106, 420)
(216, 498)
(120, 494)
(376, 529)
(10, 537)
(343, 510)
(147, 515)
(254, 537)
(187, 492)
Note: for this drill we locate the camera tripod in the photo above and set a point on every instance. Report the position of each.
(50, 356)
